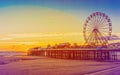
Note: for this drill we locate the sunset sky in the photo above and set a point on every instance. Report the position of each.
(28, 23)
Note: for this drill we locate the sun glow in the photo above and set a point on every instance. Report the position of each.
(26, 41)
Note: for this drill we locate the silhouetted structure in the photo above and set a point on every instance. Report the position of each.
(106, 55)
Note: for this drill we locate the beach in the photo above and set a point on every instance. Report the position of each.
(36, 65)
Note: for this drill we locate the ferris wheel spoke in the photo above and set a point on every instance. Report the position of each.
(98, 20)
(101, 24)
(95, 20)
(99, 39)
(105, 37)
(96, 39)
(93, 39)
(89, 26)
(91, 22)
(102, 38)
(105, 23)
(101, 20)
(102, 30)
(89, 36)
(89, 30)
(104, 26)
(90, 39)
(104, 33)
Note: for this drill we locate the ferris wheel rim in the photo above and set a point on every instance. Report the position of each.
(99, 18)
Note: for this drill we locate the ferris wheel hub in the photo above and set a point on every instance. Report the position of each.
(95, 30)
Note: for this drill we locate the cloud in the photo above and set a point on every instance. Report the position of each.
(35, 36)
(25, 35)
(114, 37)
(111, 38)
(6, 38)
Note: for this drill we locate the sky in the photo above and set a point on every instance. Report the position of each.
(31, 23)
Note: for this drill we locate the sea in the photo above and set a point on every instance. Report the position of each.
(5, 53)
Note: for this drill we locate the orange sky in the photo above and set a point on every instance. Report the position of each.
(23, 27)
(28, 40)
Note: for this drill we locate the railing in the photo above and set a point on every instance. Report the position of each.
(80, 54)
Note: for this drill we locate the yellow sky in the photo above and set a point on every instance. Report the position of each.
(23, 27)
(30, 19)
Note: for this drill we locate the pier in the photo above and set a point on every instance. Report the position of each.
(100, 55)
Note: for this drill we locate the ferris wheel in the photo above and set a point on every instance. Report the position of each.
(97, 29)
